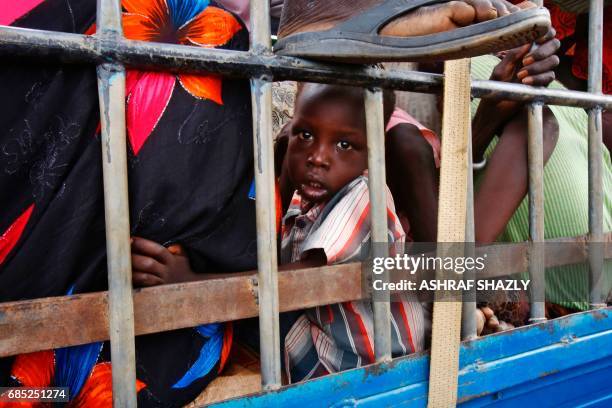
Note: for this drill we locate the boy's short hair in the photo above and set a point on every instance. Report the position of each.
(357, 94)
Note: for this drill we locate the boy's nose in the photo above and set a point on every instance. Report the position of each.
(319, 157)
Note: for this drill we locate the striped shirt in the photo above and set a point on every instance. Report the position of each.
(337, 337)
(566, 192)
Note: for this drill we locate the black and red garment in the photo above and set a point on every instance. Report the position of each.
(189, 167)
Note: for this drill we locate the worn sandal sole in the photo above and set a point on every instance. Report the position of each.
(342, 45)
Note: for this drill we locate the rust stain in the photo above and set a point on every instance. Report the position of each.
(471, 397)
(547, 373)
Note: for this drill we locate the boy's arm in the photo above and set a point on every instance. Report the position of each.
(413, 180)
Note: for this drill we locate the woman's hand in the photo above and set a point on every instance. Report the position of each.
(527, 67)
(153, 264)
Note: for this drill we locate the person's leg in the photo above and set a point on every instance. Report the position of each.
(315, 15)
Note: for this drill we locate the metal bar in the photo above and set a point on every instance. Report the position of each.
(152, 56)
(111, 90)
(536, 206)
(261, 100)
(378, 215)
(42, 324)
(468, 312)
(536, 211)
(595, 156)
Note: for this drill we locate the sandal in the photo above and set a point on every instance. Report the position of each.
(357, 40)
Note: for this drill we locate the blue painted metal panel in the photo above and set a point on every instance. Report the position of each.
(563, 361)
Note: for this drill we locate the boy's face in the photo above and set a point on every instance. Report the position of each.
(327, 146)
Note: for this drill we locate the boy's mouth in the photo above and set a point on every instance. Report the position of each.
(313, 191)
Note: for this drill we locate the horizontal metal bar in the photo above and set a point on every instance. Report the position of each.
(157, 56)
(42, 324)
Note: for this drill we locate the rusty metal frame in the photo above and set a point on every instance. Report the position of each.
(111, 51)
(157, 56)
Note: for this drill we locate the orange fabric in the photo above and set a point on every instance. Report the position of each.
(21, 404)
(211, 28)
(228, 337)
(98, 389)
(155, 9)
(34, 369)
(202, 86)
(139, 27)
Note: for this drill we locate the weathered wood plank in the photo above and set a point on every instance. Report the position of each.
(41, 324)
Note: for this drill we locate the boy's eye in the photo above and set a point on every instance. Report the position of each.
(344, 145)
(305, 135)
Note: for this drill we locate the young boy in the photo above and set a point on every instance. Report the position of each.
(323, 178)
(328, 220)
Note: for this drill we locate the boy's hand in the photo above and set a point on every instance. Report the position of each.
(153, 264)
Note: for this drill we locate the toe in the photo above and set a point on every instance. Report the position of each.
(459, 13)
(485, 9)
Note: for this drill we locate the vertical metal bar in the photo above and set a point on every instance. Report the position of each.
(536, 211)
(468, 313)
(261, 99)
(535, 165)
(378, 201)
(111, 91)
(595, 156)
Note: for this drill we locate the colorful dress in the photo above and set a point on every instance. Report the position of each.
(189, 167)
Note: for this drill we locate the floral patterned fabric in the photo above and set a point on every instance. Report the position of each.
(189, 167)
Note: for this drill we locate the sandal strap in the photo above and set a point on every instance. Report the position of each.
(371, 20)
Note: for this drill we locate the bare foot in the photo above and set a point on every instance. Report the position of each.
(315, 15)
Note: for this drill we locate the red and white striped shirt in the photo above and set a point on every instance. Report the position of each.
(332, 338)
